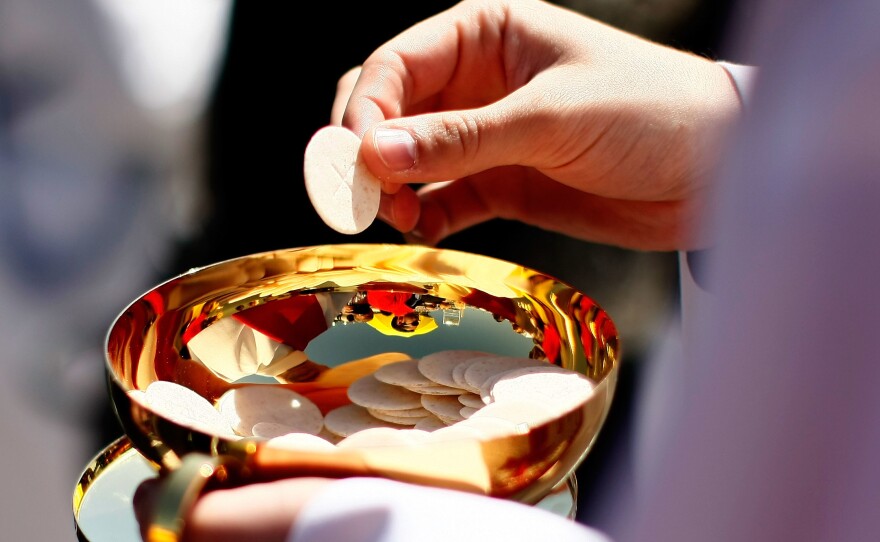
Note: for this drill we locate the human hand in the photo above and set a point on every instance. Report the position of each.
(263, 512)
(535, 113)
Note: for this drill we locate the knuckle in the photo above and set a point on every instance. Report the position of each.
(462, 132)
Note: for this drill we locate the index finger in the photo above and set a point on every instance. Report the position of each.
(419, 63)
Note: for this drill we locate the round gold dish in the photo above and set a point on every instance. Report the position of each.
(451, 300)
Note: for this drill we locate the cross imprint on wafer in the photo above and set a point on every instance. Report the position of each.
(343, 187)
(344, 174)
(347, 180)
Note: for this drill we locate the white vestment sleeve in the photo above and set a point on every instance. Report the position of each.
(777, 437)
(378, 510)
(742, 76)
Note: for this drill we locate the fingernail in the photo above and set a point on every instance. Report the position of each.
(414, 237)
(396, 148)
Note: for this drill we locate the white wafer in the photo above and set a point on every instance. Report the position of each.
(450, 420)
(471, 400)
(467, 412)
(445, 407)
(403, 373)
(430, 423)
(185, 407)
(458, 374)
(438, 389)
(439, 365)
(329, 436)
(407, 375)
(489, 384)
(349, 419)
(247, 406)
(341, 188)
(271, 430)
(391, 418)
(300, 442)
(562, 390)
(369, 392)
(481, 370)
(419, 412)
(382, 436)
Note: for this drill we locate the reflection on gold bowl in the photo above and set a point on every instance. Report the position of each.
(320, 309)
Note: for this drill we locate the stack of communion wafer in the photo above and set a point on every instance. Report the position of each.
(446, 395)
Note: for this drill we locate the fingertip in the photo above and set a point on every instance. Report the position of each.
(401, 210)
(413, 238)
(390, 188)
(432, 225)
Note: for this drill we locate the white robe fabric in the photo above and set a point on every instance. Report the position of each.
(374, 510)
(775, 434)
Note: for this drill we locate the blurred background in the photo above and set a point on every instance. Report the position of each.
(140, 138)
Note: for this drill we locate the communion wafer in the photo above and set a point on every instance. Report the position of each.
(349, 419)
(341, 188)
(544, 368)
(247, 406)
(467, 412)
(419, 412)
(561, 390)
(450, 420)
(458, 374)
(304, 442)
(185, 407)
(371, 393)
(407, 375)
(445, 407)
(391, 418)
(403, 373)
(329, 436)
(382, 436)
(430, 423)
(438, 389)
(440, 365)
(471, 400)
(271, 430)
(482, 369)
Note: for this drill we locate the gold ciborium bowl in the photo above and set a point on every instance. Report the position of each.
(315, 320)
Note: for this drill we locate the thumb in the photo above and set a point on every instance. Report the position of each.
(453, 144)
